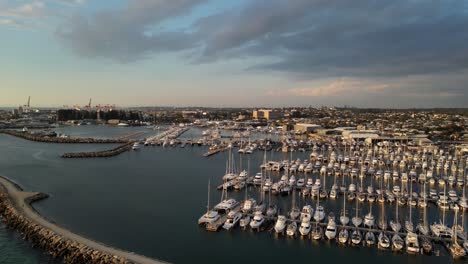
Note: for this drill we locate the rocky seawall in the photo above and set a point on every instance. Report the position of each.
(100, 154)
(76, 140)
(56, 245)
(17, 213)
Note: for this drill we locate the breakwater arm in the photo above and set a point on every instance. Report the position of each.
(17, 213)
(47, 139)
(100, 154)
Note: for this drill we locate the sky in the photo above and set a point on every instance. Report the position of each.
(243, 53)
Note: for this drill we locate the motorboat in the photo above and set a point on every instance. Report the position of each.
(280, 225)
(257, 220)
(232, 219)
(306, 212)
(330, 231)
(305, 227)
(412, 243)
(136, 146)
(248, 206)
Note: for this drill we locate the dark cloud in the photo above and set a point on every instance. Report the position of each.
(346, 38)
(124, 34)
(332, 38)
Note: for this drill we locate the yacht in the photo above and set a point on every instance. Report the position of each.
(291, 229)
(226, 205)
(305, 227)
(248, 206)
(258, 179)
(232, 219)
(330, 232)
(306, 213)
(280, 225)
(412, 243)
(257, 220)
(209, 217)
(441, 230)
(383, 241)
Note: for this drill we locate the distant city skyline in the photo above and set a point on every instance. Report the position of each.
(246, 53)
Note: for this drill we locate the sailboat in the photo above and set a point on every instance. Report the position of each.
(395, 224)
(356, 237)
(423, 227)
(456, 250)
(383, 241)
(409, 222)
(295, 212)
(357, 221)
(319, 214)
(330, 231)
(440, 229)
(369, 219)
(211, 215)
(344, 219)
(291, 229)
(343, 236)
(369, 238)
(383, 221)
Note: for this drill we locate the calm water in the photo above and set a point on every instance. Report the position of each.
(148, 201)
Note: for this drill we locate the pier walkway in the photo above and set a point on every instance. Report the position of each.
(21, 200)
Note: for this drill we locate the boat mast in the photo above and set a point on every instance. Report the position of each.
(208, 201)
(443, 209)
(411, 198)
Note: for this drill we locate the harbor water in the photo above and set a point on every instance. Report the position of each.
(148, 201)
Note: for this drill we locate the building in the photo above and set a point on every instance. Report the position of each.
(267, 114)
(306, 128)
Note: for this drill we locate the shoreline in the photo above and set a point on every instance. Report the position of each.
(17, 213)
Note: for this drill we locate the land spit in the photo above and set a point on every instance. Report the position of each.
(17, 213)
(100, 154)
(76, 140)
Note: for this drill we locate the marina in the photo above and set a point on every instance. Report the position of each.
(214, 168)
(381, 175)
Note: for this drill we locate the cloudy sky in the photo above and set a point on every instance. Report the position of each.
(362, 53)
